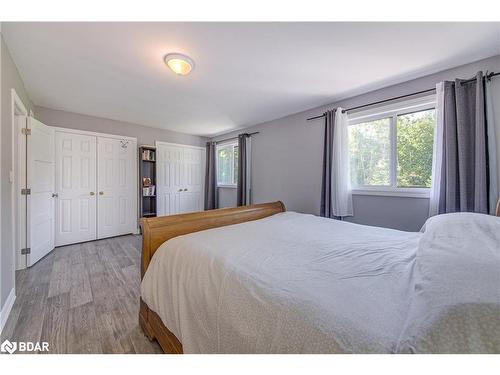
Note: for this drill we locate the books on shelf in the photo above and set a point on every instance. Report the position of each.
(148, 191)
(148, 155)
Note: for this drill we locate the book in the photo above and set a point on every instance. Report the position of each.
(148, 155)
(148, 191)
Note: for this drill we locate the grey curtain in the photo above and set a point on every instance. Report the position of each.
(326, 209)
(243, 186)
(211, 196)
(464, 175)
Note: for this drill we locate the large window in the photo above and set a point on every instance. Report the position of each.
(390, 149)
(227, 164)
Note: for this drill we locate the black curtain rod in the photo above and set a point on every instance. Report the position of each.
(487, 76)
(230, 139)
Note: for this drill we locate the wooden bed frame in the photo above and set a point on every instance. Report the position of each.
(155, 231)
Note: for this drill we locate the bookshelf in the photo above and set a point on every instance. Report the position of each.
(147, 181)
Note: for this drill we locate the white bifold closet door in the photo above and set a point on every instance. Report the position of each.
(116, 181)
(180, 172)
(76, 188)
(40, 203)
(96, 187)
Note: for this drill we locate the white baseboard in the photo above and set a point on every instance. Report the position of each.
(4, 314)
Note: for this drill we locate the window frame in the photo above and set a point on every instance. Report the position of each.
(392, 111)
(233, 143)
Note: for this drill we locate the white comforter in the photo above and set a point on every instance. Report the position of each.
(292, 283)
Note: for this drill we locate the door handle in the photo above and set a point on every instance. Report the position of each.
(92, 193)
(55, 195)
(101, 193)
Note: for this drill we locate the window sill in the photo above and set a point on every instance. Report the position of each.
(227, 186)
(405, 193)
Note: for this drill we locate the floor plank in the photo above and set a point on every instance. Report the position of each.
(82, 298)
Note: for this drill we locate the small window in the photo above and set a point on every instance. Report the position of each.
(390, 151)
(227, 164)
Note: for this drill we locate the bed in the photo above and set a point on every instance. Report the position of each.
(258, 279)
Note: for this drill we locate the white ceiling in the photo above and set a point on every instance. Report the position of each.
(245, 73)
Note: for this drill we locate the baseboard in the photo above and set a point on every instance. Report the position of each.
(4, 314)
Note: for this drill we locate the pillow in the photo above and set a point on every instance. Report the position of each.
(455, 306)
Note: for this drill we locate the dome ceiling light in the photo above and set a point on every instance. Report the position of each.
(180, 64)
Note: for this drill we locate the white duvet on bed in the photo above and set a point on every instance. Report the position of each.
(289, 283)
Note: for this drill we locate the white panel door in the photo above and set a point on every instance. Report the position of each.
(75, 188)
(117, 187)
(40, 179)
(169, 170)
(180, 172)
(192, 190)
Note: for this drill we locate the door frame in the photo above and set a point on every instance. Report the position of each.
(203, 165)
(18, 217)
(113, 136)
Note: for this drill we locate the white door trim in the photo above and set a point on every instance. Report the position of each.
(157, 143)
(96, 134)
(18, 143)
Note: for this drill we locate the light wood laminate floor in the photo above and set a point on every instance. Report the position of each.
(82, 298)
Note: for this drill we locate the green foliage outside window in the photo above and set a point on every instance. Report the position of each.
(370, 151)
(415, 140)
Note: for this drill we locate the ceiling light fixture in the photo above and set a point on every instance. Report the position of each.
(179, 64)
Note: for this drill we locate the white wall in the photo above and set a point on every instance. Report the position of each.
(287, 158)
(10, 79)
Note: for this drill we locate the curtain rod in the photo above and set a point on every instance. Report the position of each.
(487, 76)
(230, 139)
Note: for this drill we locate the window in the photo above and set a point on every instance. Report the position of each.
(227, 164)
(390, 149)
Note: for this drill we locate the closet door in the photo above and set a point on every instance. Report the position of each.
(191, 196)
(75, 188)
(40, 178)
(180, 171)
(117, 187)
(169, 171)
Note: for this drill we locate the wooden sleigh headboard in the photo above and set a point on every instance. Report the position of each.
(157, 230)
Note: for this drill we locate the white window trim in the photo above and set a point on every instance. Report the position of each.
(392, 111)
(219, 145)
(389, 191)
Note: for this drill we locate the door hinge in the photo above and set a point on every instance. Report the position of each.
(26, 131)
(25, 191)
(26, 250)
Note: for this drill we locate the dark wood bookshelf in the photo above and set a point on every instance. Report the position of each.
(147, 172)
